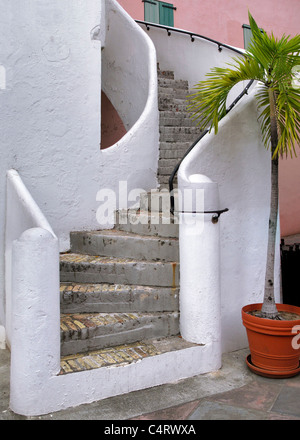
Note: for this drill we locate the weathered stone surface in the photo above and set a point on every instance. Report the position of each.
(96, 269)
(113, 242)
(109, 298)
(83, 332)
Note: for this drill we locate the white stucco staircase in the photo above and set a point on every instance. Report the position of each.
(118, 288)
(121, 286)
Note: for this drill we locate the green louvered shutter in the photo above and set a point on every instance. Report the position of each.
(151, 11)
(166, 14)
(159, 12)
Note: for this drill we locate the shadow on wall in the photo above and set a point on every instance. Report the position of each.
(112, 127)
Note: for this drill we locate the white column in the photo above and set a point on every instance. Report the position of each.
(35, 338)
(200, 310)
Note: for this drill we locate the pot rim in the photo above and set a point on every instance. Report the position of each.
(269, 324)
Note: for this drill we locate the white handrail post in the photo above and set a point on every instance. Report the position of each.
(35, 338)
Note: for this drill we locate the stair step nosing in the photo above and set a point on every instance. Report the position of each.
(121, 354)
(116, 233)
(95, 259)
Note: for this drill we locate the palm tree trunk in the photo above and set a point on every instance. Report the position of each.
(269, 309)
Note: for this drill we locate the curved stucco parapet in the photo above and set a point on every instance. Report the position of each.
(238, 162)
(189, 60)
(129, 79)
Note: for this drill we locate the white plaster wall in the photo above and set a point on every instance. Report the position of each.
(50, 110)
(236, 159)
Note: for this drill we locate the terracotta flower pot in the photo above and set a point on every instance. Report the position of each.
(274, 351)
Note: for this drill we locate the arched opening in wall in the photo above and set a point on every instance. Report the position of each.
(112, 127)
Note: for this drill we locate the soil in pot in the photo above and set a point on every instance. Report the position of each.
(282, 315)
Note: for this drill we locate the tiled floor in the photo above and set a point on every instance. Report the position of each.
(261, 399)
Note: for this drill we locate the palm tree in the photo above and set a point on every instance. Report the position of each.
(272, 62)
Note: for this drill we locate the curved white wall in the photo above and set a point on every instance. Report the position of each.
(129, 79)
(189, 60)
(237, 160)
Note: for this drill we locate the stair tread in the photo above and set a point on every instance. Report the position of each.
(121, 355)
(105, 287)
(84, 268)
(98, 259)
(107, 298)
(79, 321)
(85, 317)
(119, 233)
(82, 332)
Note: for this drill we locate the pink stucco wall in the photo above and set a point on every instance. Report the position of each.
(112, 127)
(222, 20)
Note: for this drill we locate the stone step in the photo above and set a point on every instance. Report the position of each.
(180, 137)
(174, 105)
(165, 74)
(173, 83)
(146, 223)
(174, 114)
(180, 130)
(167, 99)
(158, 201)
(91, 331)
(172, 154)
(166, 171)
(95, 269)
(170, 92)
(109, 298)
(121, 355)
(175, 145)
(163, 180)
(116, 243)
(168, 162)
(175, 121)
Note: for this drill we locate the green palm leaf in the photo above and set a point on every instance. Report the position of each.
(271, 62)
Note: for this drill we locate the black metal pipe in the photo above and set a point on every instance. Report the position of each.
(181, 31)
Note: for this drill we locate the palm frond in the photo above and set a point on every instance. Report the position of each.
(271, 62)
(208, 100)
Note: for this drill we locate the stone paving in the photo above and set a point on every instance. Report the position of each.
(261, 399)
(231, 393)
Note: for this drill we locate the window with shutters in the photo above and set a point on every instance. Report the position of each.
(247, 35)
(159, 12)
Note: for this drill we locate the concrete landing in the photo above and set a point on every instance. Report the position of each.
(232, 393)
